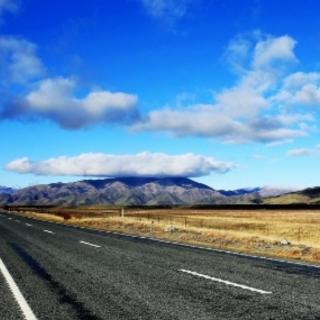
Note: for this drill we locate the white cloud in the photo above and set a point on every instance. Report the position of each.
(19, 61)
(56, 99)
(108, 165)
(243, 112)
(299, 79)
(205, 121)
(248, 111)
(309, 94)
(166, 9)
(257, 51)
(8, 5)
(243, 100)
(299, 88)
(238, 52)
(27, 94)
(303, 152)
(299, 152)
(273, 50)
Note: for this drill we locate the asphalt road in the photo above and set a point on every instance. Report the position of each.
(70, 273)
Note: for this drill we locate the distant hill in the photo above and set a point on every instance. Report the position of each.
(239, 192)
(6, 190)
(250, 195)
(306, 196)
(117, 191)
(259, 192)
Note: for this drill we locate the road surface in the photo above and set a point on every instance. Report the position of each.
(51, 271)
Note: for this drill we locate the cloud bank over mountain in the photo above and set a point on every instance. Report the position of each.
(144, 164)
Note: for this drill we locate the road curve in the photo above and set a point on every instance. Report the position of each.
(66, 273)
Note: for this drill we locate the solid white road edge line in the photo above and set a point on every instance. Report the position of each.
(23, 304)
(225, 282)
(48, 231)
(89, 244)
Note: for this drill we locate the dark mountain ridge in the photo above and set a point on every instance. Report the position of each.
(138, 191)
(138, 182)
(116, 191)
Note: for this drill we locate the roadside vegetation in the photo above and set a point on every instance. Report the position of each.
(291, 234)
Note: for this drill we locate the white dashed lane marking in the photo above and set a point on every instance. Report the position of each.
(48, 231)
(229, 283)
(90, 244)
(180, 244)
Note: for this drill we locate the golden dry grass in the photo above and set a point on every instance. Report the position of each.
(254, 231)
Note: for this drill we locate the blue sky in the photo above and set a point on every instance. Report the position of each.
(226, 92)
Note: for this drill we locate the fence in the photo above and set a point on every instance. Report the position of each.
(253, 228)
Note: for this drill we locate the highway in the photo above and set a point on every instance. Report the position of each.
(52, 271)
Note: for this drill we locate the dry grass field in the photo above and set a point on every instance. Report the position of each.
(292, 234)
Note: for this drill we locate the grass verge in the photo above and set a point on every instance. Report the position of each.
(285, 234)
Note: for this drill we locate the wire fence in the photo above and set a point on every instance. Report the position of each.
(182, 221)
(260, 228)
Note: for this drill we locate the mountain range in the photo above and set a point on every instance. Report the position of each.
(132, 191)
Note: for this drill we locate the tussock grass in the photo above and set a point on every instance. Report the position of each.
(282, 233)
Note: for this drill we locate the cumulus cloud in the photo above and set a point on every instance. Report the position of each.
(248, 111)
(257, 51)
(300, 88)
(27, 93)
(56, 99)
(243, 112)
(273, 50)
(109, 165)
(206, 122)
(299, 79)
(19, 61)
